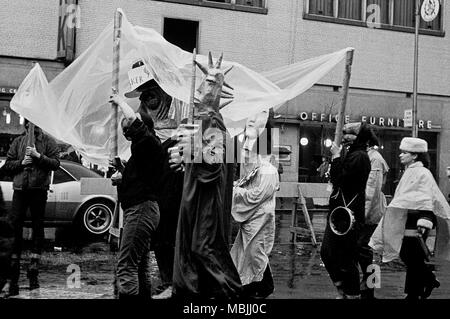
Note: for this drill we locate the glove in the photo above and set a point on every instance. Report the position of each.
(116, 178)
(424, 225)
(335, 150)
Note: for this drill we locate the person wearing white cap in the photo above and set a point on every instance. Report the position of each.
(411, 214)
(166, 113)
(137, 190)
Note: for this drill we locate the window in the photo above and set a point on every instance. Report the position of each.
(404, 13)
(79, 171)
(349, 9)
(312, 150)
(313, 147)
(397, 15)
(182, 33)
(252, 3)
(60, 176)
(253, 6)
(321, 7)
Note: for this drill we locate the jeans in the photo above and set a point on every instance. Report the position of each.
(36, 200)
(133, 272)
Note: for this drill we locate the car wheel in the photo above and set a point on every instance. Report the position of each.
(96, 217)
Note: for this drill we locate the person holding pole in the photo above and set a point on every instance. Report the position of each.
(348, 173)
(166, 114)
(30, 159)
(137, 193)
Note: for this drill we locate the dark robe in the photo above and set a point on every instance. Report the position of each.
(203, 266)
(170, 192)
(339, 254)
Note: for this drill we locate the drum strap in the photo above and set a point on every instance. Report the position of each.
(343, 198)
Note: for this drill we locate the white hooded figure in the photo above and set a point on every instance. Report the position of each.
(253, 208)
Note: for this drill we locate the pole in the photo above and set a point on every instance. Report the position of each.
(416, 67)
(341, 115)
(116, 228)
(191, 104)
(115, 82)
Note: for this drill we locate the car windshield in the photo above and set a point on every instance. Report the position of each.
(79, 171)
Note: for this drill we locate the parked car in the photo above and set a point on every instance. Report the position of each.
(66, 205)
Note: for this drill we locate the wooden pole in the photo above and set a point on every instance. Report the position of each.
(115, 82)
(416, 62)
(116, 228)
(191, 104)
(341, 115)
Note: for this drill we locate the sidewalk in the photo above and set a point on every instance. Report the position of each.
(300, 274)
(297, 270)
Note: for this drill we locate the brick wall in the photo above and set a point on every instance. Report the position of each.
(383, 59)
(29, 28)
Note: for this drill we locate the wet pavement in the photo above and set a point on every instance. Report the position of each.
(297, 269)
(299, 272)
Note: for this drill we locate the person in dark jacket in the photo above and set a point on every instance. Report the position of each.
(6, 246)
(137, 192)
(349, 173)
(30, 167)
(159, 105)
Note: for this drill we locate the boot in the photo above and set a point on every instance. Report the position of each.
(13, 283)
(429, 288)
(368, 294)
(352, 296)
(33, 273)
(340, 291)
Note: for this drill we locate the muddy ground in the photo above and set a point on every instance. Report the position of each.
(297, 268)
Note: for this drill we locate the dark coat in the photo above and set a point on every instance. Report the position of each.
(142, 173)
(39, 175)
(349, 175)
(169, 198)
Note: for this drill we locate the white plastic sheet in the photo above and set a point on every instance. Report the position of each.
(74, 106)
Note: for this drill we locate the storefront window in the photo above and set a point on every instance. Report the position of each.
(314, 149)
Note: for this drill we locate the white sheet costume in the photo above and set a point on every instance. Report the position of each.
(417, 190)
(254, 209)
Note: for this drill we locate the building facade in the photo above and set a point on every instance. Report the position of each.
(264, 35)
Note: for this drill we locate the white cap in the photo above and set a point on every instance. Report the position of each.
(414, 145)
(137, 76)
